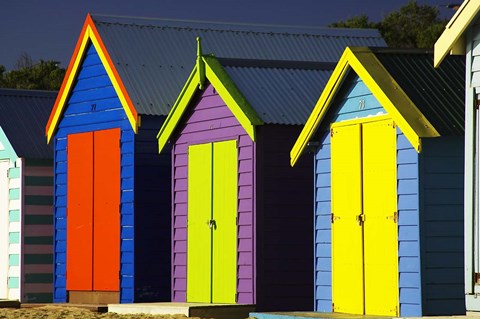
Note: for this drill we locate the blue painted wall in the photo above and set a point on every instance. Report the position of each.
(442, 227)
(145, 201)
(354, 100)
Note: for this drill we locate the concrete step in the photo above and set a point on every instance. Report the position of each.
(203, 310)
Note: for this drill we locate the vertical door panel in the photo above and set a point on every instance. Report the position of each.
(347, 249)
(4, 222)
(380, 206)
(106, 256)
(199, 240)
(224, 281)
(79, 211)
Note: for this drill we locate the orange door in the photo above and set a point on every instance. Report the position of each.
(106, 208)
(80, 211)
(93, 211)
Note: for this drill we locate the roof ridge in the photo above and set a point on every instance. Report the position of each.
(276, 64)
(294, 30)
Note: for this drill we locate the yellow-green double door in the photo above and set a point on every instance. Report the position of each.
(364, 217)
(211, 225)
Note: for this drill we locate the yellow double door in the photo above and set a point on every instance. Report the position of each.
(364, 217)
(211, 225)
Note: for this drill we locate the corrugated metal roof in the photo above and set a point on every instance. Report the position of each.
(23, 116)
(155, 57)
(280, 92)
(438, 93)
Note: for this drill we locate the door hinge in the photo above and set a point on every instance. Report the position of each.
(331, 132)
(393, 217)
(333, 218)
(333, 307)
(236, 297)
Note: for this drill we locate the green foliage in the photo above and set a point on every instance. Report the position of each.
(412, 26)
(44, 75)
(358, 22)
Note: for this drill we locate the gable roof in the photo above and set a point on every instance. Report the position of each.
(148, 60)
(256, 91)
(23, 115)
(453, 37)
(424, 102)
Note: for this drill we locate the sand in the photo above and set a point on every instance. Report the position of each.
(57, 312)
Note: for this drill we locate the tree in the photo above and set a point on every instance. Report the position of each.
(412, 26)
(358, 22)
(44, 75)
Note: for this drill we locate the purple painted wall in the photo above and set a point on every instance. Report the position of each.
(210, 120)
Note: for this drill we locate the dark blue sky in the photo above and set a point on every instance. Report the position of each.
(48, 29)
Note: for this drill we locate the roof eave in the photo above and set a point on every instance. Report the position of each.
(89, 35)
(452, 40)
(228, 91)
(385, 89)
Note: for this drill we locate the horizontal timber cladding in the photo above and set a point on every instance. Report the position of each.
(429, 207)
(284, 236)
(210, 120)
(93, 106)
(37, 275)
(442, 225)
(152, 214)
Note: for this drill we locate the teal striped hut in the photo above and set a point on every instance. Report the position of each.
(26, 197)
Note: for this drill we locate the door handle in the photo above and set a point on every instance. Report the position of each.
(212, 224)
(360, 219)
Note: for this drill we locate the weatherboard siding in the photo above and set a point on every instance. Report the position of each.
(38, 243)
(284, 240)
(210, 120)
(474, 48)
(152, 214)
(442, 225)
(408, 206)
(354, 101)
(93, 105)
(323, 226)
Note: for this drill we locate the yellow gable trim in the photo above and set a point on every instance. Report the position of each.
(385, 89)
(68, 84)
(452, 39)
(90, 35)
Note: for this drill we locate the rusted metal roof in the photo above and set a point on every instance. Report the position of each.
(23, 116)
(439, 93)
(155, 57)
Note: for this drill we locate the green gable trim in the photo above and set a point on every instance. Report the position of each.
(14, 238)
(227, 90)
(14, 260)
(13, 282)
(14, 216)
